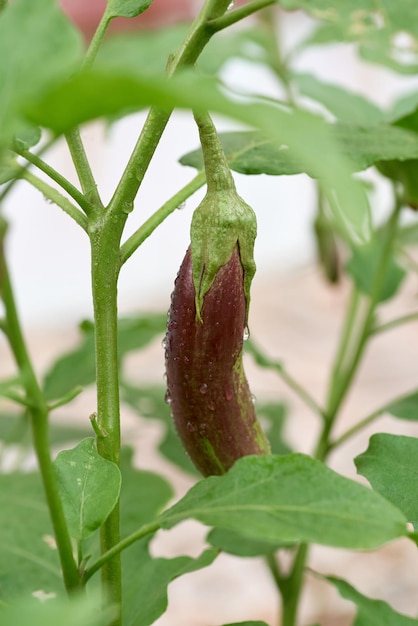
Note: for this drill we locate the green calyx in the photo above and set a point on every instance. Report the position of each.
(220, 223)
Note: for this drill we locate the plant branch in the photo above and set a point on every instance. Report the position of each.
(404, 319)
(357, 428)
(82, 166)
(57, 177)
(56, 197)
(148, 227)
(38, 412)
(97, 40)
(278, 367)
(232, 17)
(145, 530)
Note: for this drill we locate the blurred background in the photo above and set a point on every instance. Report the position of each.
(49, 254)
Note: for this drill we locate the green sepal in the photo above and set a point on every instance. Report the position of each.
(221, 222)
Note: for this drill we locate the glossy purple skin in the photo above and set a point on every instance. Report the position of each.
(210, 399)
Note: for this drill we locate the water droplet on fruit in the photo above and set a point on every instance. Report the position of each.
(203, 388)
(253, 398)
(231, 6)
(191, 427)
(229, 394)
(246, 334)
(167, 397)
(181, 206)
(164, 343)
(172, 325)
(211, 405)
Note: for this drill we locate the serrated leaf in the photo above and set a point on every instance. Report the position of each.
(303, 132)
(390, 464)
(126, 8)
(290, 499)
(77, 367)
(405, 408)
(363, 267)
(47, 49)
(89, 487)
(370, 612)
(346, 106)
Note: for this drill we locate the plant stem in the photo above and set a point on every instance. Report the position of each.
(105, 238)
(56, 197)
(97, 40)
(232, 17)
(366, 329)
(145, 530)
(278, 367)
(57, 177)
(82, 166)
(38, 412)
(218, 174)
(292, 587)
(342, 377)
(148, 227)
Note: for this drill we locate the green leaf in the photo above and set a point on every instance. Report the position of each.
(77, 367)
(89, 486)
(83, 611)
(126, 8)
(405, 174)
(82, 98)
(363, 268)
(250, 152)
(28, 556)
(405, 408)
(345, 105)
(121, 52)
(390, 464)
(239, 545)
(370, 612)
(145, 579)
(290, 499)
(146, 597)
(148, 401)
(47, 49)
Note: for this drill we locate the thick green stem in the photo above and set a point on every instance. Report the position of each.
(38, 412)
(292, 587)
(105, 238)
(218, 174)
